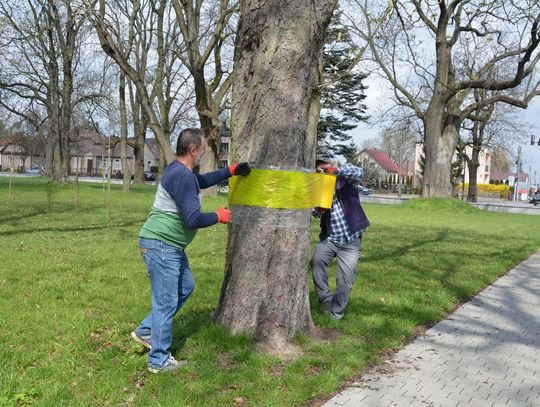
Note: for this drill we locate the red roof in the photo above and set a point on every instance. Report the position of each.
(503, 176)
(383, 160)
(14, 138)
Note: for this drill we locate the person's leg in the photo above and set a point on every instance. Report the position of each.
(163, 263)
(143, 331)
(347, 266)
(186, 283)
(319, 264)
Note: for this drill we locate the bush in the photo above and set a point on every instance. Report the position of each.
(489, 188)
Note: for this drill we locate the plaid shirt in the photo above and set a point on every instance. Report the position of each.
(339, 231)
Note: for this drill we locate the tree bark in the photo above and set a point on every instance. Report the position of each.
(126, 171)
(440, 142)
(139, 129)
(473, 164)
(277, 54)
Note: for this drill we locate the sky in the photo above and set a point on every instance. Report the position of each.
(377, 100)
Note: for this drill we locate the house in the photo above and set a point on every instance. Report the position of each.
(13, 156)
(151, 155)
(224, 153)
(378, 166)
(508, 177)
(151, 151)
(91, 153)
(520, 181)
(483, 171)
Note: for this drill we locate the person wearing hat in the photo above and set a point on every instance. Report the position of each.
(342, 227)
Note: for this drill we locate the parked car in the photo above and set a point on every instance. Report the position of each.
(364, 191)
(535, 198)
(148, 176)
(35, 170)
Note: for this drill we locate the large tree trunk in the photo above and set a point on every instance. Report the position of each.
(278, 46)
(139, 130)
(473, 163)
(439, 150)
(441, 135)
(207, 110)
(209, 163)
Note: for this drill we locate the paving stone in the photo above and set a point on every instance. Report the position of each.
(485, 354)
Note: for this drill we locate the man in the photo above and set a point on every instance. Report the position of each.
(341, 236)
(171, 225)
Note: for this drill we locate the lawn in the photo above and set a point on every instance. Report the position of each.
(73, 286)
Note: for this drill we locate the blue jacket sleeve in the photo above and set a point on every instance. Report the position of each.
(186, 195)
(212, 178)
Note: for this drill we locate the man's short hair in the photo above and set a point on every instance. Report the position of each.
(187, 139)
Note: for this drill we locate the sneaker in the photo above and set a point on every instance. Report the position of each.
(171, 366)
(143, 340)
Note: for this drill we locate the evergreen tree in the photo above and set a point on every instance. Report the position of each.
(343, 93)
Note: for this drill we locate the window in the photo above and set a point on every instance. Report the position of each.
(116, 165)
(21, 162)
(224, 148)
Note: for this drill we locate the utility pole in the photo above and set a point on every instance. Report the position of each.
(518, 170)
(532, 144)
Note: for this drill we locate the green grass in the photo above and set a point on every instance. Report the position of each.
(73, 286)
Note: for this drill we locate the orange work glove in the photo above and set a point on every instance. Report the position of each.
(330, 170)
(223, 215)
(240, 169)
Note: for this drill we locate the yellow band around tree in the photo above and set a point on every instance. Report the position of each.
(282, 189)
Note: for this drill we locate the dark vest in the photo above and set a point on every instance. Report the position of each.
(356, 218)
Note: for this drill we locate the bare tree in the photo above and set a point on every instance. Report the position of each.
(154, 30)
(435, 92)
(495, 127)
(204, 26)
(398, 143)
(137, 36)
(42, 46)
(275, 112)
(500, 160)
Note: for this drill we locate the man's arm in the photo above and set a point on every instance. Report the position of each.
(351, 172)
(212, 178)
(186, 197)
(209, 179)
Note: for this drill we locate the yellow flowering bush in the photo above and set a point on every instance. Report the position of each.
(489, 188)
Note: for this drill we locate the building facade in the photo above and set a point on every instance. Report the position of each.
(13, 157)
(483, 172)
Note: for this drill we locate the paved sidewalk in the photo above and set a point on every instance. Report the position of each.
(487, 353)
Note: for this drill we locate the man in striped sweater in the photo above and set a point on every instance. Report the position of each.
(170, 227)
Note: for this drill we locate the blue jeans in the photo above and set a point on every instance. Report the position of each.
(172, 283)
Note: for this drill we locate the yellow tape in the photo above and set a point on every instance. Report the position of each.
(282, 189)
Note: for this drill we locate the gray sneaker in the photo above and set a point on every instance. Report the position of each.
(171, 366)
(144, 340)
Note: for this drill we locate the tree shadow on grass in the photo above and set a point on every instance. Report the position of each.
(69, 229)
(13, 218)
(399, 250)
